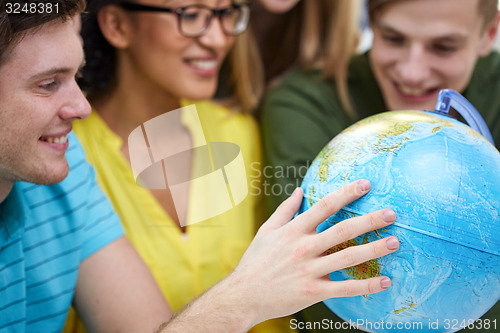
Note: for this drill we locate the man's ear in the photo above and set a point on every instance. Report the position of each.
(115, 26)
(489, 36)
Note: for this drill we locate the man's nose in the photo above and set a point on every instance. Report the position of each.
(414, 68)
(77, 105)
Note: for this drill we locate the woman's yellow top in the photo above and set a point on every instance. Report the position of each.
(183, 264)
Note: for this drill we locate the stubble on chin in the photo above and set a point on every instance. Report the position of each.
(47, 174)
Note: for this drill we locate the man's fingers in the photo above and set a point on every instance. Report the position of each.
(353, 227)
(332, 203)
(356, 255)
(351, 288)
(285, 211)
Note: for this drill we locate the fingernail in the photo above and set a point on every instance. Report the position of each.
(364, 185)
(392, 243)
(385, 283)
(389, 216)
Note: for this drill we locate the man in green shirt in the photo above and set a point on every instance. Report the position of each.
(419, 47)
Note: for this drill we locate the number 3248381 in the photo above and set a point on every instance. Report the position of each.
(31, 8)
(470, 324)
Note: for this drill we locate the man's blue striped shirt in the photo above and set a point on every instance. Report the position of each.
(45, 232)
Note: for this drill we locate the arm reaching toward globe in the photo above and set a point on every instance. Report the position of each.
(285, 269)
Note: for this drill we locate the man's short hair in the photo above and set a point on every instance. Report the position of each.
(487, 9)
(15, 23)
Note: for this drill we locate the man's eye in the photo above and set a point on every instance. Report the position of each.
(444, 48)
(49, 85)
(393, 39)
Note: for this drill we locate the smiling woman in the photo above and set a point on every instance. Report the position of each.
(149, 21)
(144, 59)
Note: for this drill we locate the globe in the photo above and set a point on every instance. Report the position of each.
(443, 181)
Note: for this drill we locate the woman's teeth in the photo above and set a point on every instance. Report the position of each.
(204, 64)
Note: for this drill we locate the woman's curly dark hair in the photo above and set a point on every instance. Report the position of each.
(99, 73)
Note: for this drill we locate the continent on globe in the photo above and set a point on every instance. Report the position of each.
(362, 271)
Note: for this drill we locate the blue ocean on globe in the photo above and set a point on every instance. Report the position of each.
(443, 181)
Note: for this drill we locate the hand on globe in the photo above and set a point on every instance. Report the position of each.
(441, 178)
(286, 269)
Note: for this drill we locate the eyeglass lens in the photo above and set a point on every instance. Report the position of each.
(195, 20)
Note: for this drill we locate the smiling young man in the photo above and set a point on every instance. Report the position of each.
(62, 243)
(419, 47)
(61, 240)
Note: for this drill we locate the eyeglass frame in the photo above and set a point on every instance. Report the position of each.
(179, 11)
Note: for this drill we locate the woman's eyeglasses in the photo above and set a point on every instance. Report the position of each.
(195, 20)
